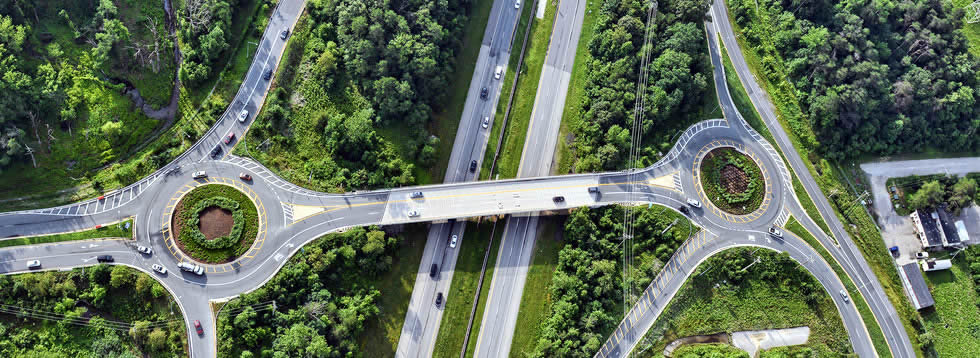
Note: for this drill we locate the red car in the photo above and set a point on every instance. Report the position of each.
(244, 177)
(230, 136)
(197, 325)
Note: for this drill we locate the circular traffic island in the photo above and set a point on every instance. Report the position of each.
(214, 223)
(732, 181)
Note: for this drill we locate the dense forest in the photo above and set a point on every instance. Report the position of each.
(65, 65)
(323, 297)
(587, 286)
(205, 27)
(871, 77)
(678, 78)
(101, 311)
(353, 69)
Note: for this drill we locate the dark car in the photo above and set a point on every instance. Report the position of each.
(104, 258)
(593, 190)
(473, 166)
(267, 75)
(438, 299)
(484, 93)
(558, 199)
(433, 270)
(284, 34)
(215, 152)
(197, 326)
(683, 209)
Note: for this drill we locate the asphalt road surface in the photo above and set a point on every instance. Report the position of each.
(290, 216)
(423, 318)
(496, 331)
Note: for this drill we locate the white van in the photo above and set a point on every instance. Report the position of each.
(498, 72)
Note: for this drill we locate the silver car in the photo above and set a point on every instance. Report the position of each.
(34, 264)
(159, 269)
(243, 115)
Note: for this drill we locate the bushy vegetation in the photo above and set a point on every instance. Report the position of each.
(953, 326)
(867, 76)
(677, 83)
(354, 66)
(205, 32)
(100, 311)
(728, 293)
(713, 350)
(587, 287)
(223, 249)
(931, 191)
(324, 295)
(732, 181)
(123, 229)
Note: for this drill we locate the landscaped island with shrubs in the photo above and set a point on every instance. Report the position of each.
(732, 181)
(215, 223)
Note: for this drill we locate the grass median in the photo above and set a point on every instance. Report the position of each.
(122, 229)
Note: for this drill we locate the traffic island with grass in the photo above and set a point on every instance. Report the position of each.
(732, 181)
(215, 223)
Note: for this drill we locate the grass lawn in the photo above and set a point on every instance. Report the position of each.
(380, 337)
(572, 114)
(955, 323)
(536, 301)
(445, 123)
(459, 301)
(859, 225)
(527, 89)
(111, 230)
(877, 336)
(704, 306)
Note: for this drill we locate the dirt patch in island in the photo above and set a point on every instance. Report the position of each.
(215, 222)
(734, 179)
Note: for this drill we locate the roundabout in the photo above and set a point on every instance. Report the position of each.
(214, 223)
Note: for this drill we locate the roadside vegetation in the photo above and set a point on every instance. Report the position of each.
(884, 104)
(930, 191)
(953, 327)
(732, 181)
(356, 92)
(215, 223)
(589, 270)
(326, 296)
(122, 229)
(526, 91)
(714, 350)
(743, 289)
(537, 299)
(679, 91)
(99, 311)
(466, 276)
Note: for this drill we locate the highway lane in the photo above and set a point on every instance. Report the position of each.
(496, 331)
(423, 318)
(844, 250)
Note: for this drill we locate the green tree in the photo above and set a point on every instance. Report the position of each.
(963, 192)
(930, 195)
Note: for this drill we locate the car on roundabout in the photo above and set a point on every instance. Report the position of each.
(189, 267)
(244, 177)
(159, 269)
(200, 174)
(144, 250)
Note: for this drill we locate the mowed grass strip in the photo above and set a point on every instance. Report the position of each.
(459, 300)
(572, 114)
(109, 231)
(536, 301)
(527, 89)
(380, 337)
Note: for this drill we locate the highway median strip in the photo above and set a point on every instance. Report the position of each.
(121, 229)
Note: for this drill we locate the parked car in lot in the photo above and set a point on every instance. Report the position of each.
(244, 177)
(921, 255)
(693, 203)
(34, 264)
(230, 137)
(452, 242)
(104, 258)
(159, 269)
(144, 250)
(189, 267)
(198, 328)
(243, 115)
(200, 174)
(775, 232)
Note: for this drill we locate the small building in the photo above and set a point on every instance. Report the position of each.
(915, 286)
(946, 224)
(936, 265)
(926, 229)
(961, 231)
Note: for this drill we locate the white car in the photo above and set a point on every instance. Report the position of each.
(694, 203)
(33, 264)
(775, 232)
(843, 295)
(517, 4)
(200, 174)
(144, 250)
(243, 116)
(160, 269)
(187, 266)
(413, 213)
(452, 243)
(486, 122)
(498, 72)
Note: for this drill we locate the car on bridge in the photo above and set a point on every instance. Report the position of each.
(413, 213)
(558, 199)
(416, 194)
(34, 264)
